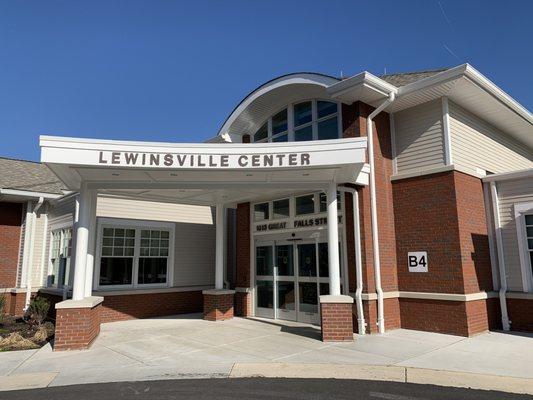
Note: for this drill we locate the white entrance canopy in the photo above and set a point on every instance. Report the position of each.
(207, 173)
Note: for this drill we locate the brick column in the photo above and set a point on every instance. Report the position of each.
(218, 304)
(77, 323)
(243, 302)
(336, 318)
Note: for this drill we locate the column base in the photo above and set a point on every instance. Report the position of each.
(243, 302)
(336, 318)
(77, 323)
(218, 304)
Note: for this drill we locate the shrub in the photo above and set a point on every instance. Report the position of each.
(38, 310)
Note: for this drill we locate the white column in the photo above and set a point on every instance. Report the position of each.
(333, 242)
(89, 269)
(82, 241)
(219, 255)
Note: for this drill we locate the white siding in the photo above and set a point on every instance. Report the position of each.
(153, 211)
(476, 144)
(194, 252)
(509, 193)
(419, 138)
(38, 243)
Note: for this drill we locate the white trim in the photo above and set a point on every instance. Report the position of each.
(430, 296)
(218, 292)
(520, 209)
(491, 235)
(448, 159)
(33, 195)
(44, 244)
(142, 290)
(477, 173)
(87, 302)
(520, 174)
(520, 295)
(335, 299)
(137, 225)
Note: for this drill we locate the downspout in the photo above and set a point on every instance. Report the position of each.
(374, 213)
(358, 263)
(501, 260)
(30, 252)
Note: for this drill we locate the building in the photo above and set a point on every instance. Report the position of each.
(361, 204)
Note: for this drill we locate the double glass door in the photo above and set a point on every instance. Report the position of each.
(290, 277)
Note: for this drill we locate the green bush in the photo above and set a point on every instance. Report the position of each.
(38, 310)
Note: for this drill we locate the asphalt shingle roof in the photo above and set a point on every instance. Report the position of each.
(404, 78)
(29, 176)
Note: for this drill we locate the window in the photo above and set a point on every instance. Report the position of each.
(132, 256)
(60, 252)
(323, 198)
(261, 212)
(529, 238)
(281, 208)
(307, 120)
(305, 204)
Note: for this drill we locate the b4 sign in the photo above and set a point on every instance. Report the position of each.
(417, 261)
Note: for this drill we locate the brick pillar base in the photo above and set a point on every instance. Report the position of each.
(218, 304)
(243, 302)
(77, 323)
(336, 318)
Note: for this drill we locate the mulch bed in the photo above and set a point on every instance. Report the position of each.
(17, 334)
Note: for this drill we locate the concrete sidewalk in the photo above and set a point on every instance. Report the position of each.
(189, 347)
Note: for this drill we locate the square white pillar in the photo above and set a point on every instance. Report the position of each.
(91, 249)
(82, 242)
(219, 253)
(333, 241)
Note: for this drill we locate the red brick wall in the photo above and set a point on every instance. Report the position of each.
(218, 307)
(133, 306)
(426, 220)
(10, 221)
(336, 322)
(520, 314)
(473, 236)
(243, 246)
(243, 304)
(76, 328)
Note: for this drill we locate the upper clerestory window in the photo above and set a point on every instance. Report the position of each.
(306, 120)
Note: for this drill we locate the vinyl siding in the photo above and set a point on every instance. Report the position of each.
(38, 243)
(419, 139)
(476, 144)
(194, 251)
(509, 193)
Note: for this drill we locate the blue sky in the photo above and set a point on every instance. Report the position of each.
(165, 70)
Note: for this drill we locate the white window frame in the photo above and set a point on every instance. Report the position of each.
(520, 211)
(138, 225)
(53, 228)
(290, 121)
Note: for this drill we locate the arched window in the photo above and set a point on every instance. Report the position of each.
(306, 120)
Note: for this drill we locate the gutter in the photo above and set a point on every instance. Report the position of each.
(361, 325)
(373, 209)
(29, 264)
(501, 260)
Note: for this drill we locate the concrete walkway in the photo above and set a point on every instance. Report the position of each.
(189, 347)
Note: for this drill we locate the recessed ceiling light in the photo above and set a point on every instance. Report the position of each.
(305, 174)
(173, 174)
(115, 174)
(249, 174)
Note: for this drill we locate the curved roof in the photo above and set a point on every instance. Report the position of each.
(298, 78)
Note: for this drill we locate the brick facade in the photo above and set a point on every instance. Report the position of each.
(243, 304)
(336, 322)
(10, 228)
(520, 314)
(133, 306)
(76, 328)
(218, 306)
(15, 302)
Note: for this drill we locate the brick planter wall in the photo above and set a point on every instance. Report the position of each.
(133, 306)
(336, 319)
(76, 328)
(243, 304)
(218, 305)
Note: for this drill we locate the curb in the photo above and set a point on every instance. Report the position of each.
(391, 373)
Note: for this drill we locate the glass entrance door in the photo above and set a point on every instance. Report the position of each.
(290, 278)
